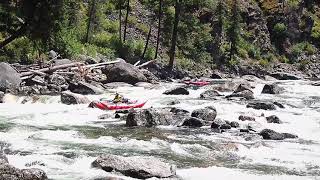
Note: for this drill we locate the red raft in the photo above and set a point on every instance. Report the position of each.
(197, 83)
(112, 106)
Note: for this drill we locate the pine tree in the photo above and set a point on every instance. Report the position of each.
(234, 30)
(159, 28)
(174, 33)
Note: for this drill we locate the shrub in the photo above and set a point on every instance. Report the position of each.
(143, 28)
(243, 53)
(315, 33)
(264, 62)
(280, 29)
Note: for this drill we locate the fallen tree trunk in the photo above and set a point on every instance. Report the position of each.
(50, 69)
(146, 63)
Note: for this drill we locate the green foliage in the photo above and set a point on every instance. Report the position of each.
(264, 62)
(283, 59)
(243, 53)
(280, 29)
(304, 47)
(315, 33)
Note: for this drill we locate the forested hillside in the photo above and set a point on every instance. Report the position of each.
(192, 33)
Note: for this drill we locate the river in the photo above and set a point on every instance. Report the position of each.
(63, 140)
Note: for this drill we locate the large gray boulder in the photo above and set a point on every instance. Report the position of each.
(247, 94)
(69, 98)
(270, 134)
(155, 117)
(285, 76)
(136, 166)
(124, 72)
(9, 172)
(177, 91)
(208, 113)
(84, 88)
(209, 94)
(9, 78)
(58, 62)
(271, 89)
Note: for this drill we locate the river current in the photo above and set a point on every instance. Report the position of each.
(63, 140)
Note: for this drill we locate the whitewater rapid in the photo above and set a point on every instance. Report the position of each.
(63, 140)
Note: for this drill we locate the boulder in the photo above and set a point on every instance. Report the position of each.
(177, 91)
(261, 105)
(289, 136)
(154, 117)
(316, 83)
(284, 76)
(246, 118)
(225, 126)
(8, 172)
(139, 167)
(209, 94)
(247, 94)
(216, 75)
(84, 88)
(178, 111)
(273, 119)
(234, 124)
(150, 76)
(243, 87)
(271, 89)
(193, 122)
(124, 72)
(58, 62)
(9, 78)
(69, 98)
(208, 113)
(270, 78)
(1, 96)
(35, 80)
(217, 123)
(117, 116)
(279, 105)
(271, 135)
(174, 102)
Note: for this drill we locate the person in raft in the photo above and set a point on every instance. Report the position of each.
(119, 99)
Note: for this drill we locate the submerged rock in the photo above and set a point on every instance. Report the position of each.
(208, 113)
(193, 122)
(177, 91)
(279, 105)
(271, 89)
(209, 94)
(9, 78)
(234, 124)
(1, 96)
(124, 72)
(69, 98)
(273, 119)
(247, 94)
(246, 118)
(216, 124)
(273, 135)
(136, 167)
(261, 105)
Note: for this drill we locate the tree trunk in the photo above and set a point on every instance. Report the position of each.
(91, 15)
(174, 34)
(14, 36)
(126, 21)
(147, 42)
(159, 28)
(120, 16)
